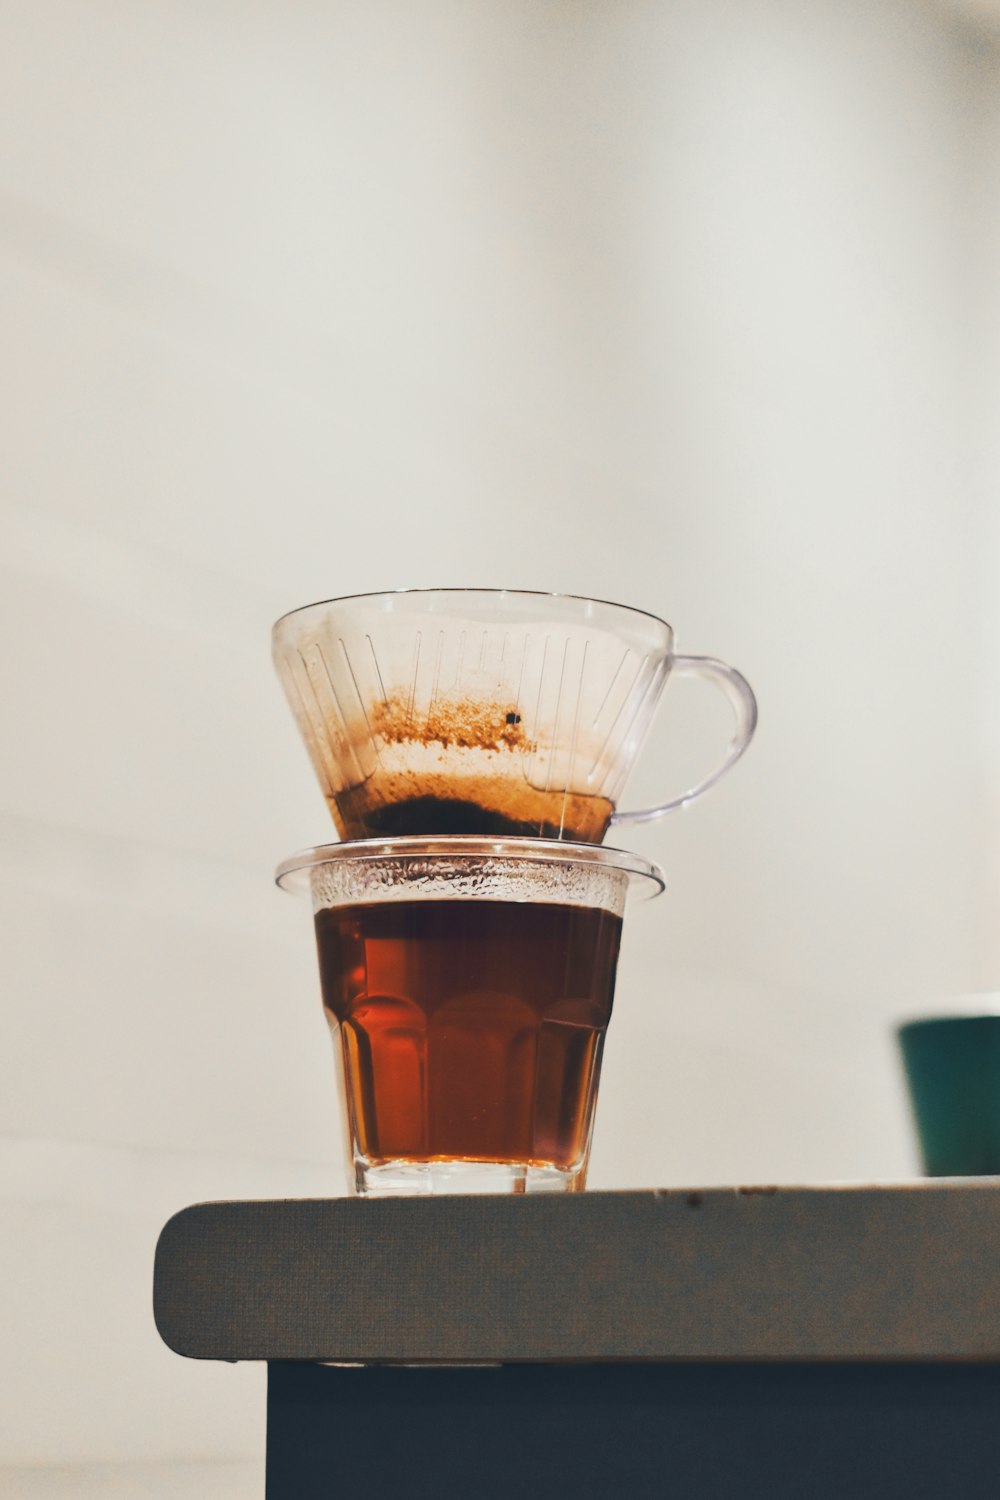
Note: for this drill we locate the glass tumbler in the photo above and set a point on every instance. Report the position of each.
(468, 984)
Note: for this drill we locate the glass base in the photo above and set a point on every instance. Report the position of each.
(408, 1179)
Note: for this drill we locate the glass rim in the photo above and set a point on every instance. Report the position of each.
(628, 609)
(944, 1018)
(646, 878)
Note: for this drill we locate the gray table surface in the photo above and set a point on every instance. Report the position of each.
(907, 1272)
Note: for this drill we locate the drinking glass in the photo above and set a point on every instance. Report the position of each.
(468, 984)
(952, 1065)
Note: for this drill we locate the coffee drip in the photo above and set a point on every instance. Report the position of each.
(468, 957)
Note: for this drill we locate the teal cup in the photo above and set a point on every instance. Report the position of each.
(953, 1070)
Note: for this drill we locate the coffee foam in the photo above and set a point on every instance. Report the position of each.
(467, 723)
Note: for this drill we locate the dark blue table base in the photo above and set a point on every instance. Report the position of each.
(674, 1432)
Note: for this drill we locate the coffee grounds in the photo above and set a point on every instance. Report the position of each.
(452, 815)
(467, 725)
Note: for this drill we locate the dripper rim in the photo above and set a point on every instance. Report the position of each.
(629, 609)
(293, 871)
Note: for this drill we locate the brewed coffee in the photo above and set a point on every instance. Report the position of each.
(470, 1029)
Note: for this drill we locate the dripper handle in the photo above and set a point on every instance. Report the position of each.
(735, 687)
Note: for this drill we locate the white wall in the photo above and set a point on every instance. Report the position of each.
(982, 321)
(679, 304)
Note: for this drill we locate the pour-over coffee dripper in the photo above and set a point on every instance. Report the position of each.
(485, 711)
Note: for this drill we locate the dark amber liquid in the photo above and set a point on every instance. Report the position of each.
(470, 1029)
